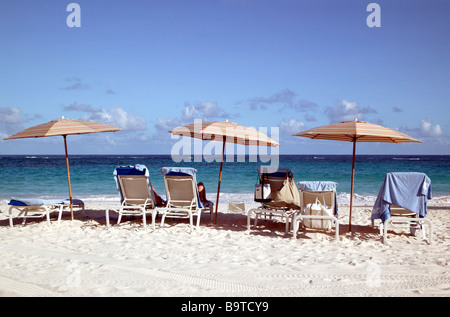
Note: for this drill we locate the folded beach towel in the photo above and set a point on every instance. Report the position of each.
(178, 171)
(317, 185)
(15, 201)
(407, 190)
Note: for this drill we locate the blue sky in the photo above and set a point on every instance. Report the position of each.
(149, 66)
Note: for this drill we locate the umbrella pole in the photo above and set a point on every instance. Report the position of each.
(220, 179)
(68, 177)
(351, 191)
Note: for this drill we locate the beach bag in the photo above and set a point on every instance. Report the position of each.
(317, 209)
(287, 196)
(263, 192)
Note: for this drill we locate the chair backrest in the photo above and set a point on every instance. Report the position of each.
(181, 187)
(326, 197)
(133, 184)
(135, 189)
(284, 192)
(180, 191)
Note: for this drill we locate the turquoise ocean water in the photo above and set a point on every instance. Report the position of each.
(92, 175)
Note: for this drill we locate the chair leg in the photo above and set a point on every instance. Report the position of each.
(295, 225)
(198, 219)
(60, 213)
(107, 217)
(337, 229)
(385, 228)
(248, 218)
(47, 214)
(144, 219)
(162, 220)
(191, 220)
(430, 228)
(154, 213)
(10, 217)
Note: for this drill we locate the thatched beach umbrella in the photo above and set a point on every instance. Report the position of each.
(356, 131)
(64, 127)
(224, 131)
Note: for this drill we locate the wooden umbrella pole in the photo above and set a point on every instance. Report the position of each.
(351, 191)
(220, 179)
(68, 177)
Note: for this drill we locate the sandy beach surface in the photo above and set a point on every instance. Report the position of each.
(85, 258)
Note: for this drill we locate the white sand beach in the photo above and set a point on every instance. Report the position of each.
(85, 258)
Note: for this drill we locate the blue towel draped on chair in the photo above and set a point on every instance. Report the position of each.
(408, 190)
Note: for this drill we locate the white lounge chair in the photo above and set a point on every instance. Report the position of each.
(39, 208)
(402, 203)
(182, 195)
(137, 197)
(284, 197)
(325, 193)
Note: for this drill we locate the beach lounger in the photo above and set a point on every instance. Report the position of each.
(39, 208)
(182, 195)
(284, 196)
(136, 194)
(402, 202)
(323, 192)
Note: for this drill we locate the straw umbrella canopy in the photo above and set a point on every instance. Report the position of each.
(64, 127)
(224, 131)
(356, 131)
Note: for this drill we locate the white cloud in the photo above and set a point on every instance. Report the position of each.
(203, 110)
(206, 111)
(10, 119)
(167, 124)
(284, 101)
(285, 97)
(211, 110)
(428, 132)
(115, 116)
(291, 126)
(428, 129)
(347, 111)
